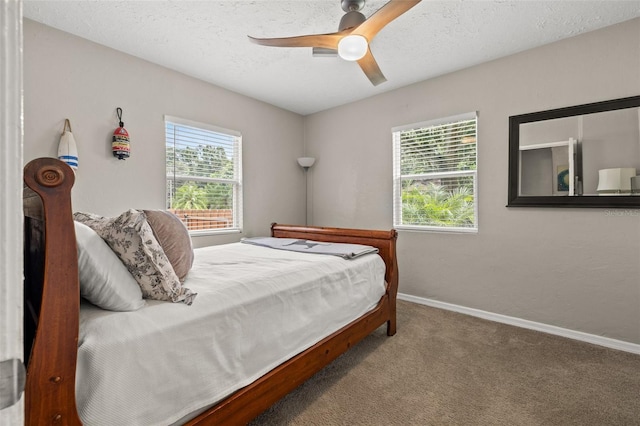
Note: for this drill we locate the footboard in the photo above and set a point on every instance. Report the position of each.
(384, 241)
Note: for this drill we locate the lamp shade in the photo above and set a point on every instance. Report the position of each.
(635, 185)
(306, 162)
(352, 47)
(615, 181)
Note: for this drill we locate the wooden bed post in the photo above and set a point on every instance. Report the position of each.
(392, 282)
(50, 385)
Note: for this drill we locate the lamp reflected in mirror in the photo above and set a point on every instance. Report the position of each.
(615, 181)
(635, 185)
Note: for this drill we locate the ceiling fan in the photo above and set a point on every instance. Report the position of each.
(353, 37)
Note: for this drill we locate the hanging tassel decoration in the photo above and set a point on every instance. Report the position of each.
(67, 150)
(120, 142)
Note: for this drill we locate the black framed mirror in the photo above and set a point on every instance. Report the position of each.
(580, 156)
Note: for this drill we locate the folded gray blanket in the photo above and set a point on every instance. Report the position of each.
(346, 251)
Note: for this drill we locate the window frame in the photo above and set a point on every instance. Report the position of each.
(398, 178)
(236, 182)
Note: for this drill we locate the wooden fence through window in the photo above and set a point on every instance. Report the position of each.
(205, 219)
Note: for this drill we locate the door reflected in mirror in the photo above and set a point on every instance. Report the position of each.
(586, 155)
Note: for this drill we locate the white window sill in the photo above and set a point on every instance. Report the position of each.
(436, 229)
(209, 232)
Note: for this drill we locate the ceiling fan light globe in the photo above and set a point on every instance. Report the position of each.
(352, 47)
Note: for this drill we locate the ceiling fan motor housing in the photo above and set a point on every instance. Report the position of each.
(350, 20)
(349, 5)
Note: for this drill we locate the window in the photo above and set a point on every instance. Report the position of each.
(434, 174)
(204, 175)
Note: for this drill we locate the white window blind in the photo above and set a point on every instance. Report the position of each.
(435, 175)
(204, 175)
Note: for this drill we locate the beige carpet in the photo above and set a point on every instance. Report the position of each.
(444, 368)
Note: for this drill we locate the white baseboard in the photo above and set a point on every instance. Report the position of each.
(532, 325)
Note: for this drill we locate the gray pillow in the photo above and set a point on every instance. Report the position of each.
(174, 239)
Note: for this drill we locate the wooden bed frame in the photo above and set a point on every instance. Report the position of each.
(52, 299)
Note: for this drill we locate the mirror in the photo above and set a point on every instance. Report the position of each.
(580, 156)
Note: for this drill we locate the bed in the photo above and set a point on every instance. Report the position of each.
(53, 312)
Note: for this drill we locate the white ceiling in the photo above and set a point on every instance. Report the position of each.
(208, 39)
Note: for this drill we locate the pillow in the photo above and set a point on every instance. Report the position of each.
(131, 238)
(174, 239)
(104, 280)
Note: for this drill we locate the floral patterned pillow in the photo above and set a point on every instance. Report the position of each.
(131, 238)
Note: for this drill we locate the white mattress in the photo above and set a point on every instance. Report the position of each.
(256, 307)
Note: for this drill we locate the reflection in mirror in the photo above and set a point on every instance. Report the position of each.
(587, 155)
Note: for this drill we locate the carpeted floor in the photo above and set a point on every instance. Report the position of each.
(445, 368)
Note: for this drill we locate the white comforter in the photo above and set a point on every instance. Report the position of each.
(256, 307)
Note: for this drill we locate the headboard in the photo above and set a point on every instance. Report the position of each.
(51, 335)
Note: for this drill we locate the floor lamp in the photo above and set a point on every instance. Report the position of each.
(306, 163)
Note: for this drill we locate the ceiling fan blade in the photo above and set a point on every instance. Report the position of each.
(382, 17)
(327, 41)
(371, 68)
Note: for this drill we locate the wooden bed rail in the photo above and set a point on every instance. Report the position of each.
(51, 275)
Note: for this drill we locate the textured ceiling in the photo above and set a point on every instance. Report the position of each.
(208, 39)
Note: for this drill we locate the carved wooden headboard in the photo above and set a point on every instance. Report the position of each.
(51, 274)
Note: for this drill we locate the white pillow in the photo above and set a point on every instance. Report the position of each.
(104, 280)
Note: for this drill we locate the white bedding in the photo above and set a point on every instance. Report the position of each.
(256, 307)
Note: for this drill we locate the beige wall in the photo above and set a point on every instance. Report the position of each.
(573, 268)
(69, 77)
